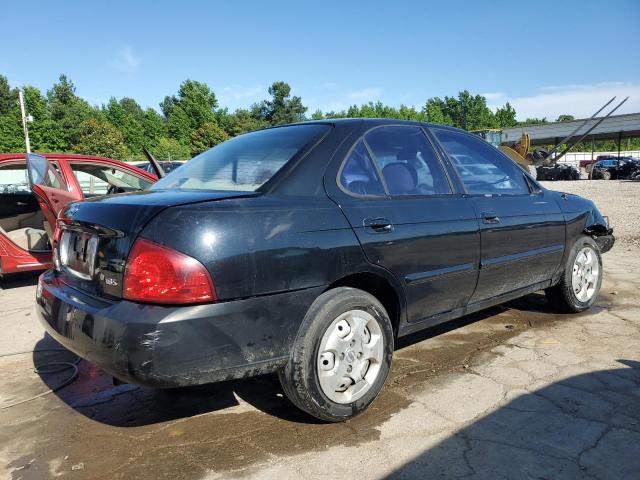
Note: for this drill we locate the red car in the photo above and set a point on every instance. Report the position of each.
(31, 198)
(588, 164)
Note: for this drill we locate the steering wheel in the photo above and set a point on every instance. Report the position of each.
(114, 189)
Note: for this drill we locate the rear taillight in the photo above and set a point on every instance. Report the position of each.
(157, 274)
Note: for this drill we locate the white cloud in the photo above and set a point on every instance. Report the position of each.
(126, 60)
(494, 96)
(581, 101)
(365, 95)
(335, 106)
(235, 93)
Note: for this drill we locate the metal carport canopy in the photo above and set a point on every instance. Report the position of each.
(613, 128)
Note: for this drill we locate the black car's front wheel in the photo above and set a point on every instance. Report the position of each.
(580, 282)
(341, 356)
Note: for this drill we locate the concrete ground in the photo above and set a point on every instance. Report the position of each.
(512, 392)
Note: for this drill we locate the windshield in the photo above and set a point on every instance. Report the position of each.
(243, 163)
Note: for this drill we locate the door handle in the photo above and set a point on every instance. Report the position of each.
(490, 217)
(21, 204)
(380, 225)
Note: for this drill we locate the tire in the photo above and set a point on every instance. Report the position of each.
(564, 296)
(606, 175)
(309, 370)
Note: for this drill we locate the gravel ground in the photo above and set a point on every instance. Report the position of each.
(619, 199)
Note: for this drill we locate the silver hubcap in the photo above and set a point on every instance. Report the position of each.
(584, 278)
(350, 356)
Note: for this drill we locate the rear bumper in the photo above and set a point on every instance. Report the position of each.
(167, 346)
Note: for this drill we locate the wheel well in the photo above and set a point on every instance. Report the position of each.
(377, 286)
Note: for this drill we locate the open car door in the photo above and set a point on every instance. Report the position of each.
(49, 187)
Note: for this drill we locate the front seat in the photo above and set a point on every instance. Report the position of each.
(28, 238)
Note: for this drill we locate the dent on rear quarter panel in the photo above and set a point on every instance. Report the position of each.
(260, 245)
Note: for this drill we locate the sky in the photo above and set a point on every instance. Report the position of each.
(546, 57)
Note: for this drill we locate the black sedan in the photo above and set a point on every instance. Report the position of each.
(307, 250)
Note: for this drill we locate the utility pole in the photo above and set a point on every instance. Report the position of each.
(25, 118)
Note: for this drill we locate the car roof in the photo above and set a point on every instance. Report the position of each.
(57, 156)
(373, 122)
(73, 156)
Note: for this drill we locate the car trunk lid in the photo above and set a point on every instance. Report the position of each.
(94, 237)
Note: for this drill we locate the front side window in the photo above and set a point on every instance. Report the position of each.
(244, 163)
(482, 168)
(95, 179)
(408, 163)
(14, 179)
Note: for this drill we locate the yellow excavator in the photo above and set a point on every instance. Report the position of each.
(540, 163)
(518, 152)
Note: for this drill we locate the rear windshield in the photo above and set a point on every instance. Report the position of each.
(243, 163)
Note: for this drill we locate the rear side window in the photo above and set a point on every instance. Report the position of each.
(13, 179)
(97, 179)
(482, 169)
(43, 172)
(408, 163)
(358, 175)
(243, 163)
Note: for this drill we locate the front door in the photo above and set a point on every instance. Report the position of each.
(520, 245)
(409, 219)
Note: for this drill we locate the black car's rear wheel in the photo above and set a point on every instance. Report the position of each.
(341, 356)
(580, 283)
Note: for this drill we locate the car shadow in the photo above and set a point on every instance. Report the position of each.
(16, 280)
(94, 394)
(532, 303)
(585, 426)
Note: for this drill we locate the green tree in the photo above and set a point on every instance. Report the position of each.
(433, 111)
(565, 118)
(207, 136)
(317, 115)
(68, 112)
(128, 117)
(154, 127)
(469, 112)
(534, 121)
(11, 136)
(282, 108)
(506, 116)
(190, 109)
(8, 96)
(242, 121)
(170, 149)
(99, 137)
(43, 132)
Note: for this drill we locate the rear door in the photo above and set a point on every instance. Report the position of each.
(522, 240)
(50, 188)
(17, 203)
(97, 177)
(409, 218)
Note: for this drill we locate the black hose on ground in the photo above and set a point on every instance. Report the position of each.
(46, 369)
